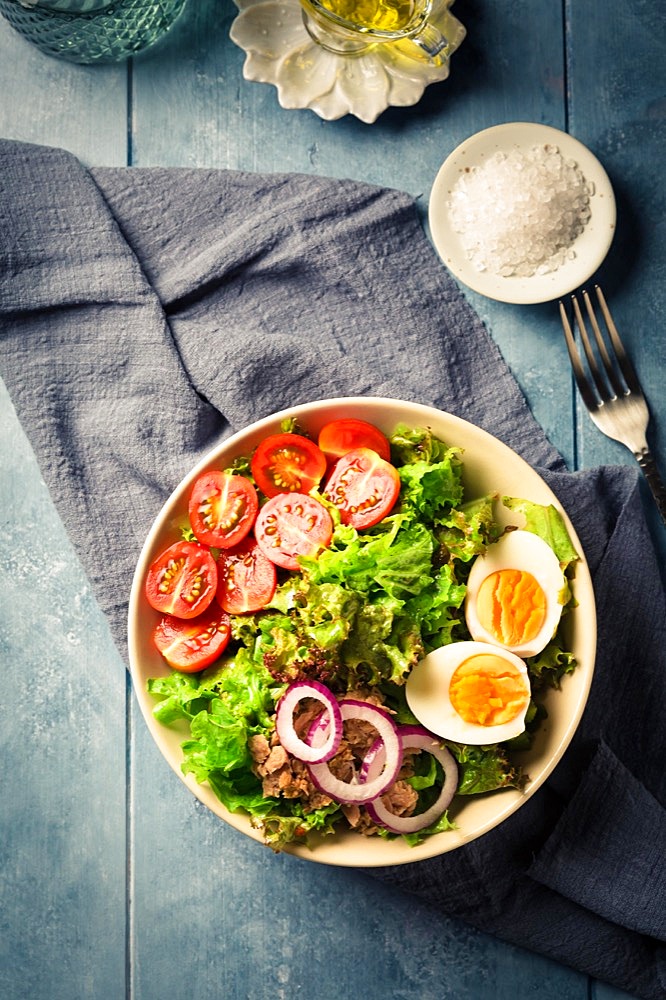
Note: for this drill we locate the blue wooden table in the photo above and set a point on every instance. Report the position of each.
(115, 881)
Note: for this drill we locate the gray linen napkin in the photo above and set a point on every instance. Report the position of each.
(147, 314)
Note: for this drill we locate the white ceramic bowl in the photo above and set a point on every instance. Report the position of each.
(488, 465)
(590, 247)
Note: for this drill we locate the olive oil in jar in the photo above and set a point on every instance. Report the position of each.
(374, 15)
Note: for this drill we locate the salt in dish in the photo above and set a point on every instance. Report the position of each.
(522, 213)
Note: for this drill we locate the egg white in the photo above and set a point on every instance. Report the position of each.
(520, 550)
(427, 693)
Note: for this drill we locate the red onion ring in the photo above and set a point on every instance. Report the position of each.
(317, 730)
(355, 791)
(418, 738)
(373, 760)
(323, 749)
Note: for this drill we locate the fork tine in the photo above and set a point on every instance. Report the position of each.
(616, 384)
(626, 367)
(584, 387)
(600, 384)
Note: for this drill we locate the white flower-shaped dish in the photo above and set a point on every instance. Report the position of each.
(280, 51)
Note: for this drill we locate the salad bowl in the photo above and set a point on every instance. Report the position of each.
(489, 466)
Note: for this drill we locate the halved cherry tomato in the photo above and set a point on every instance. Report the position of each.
(246, 578)
(182, 580)
(193, 645)
(291, 525)
(222, 508)
(363, 487)
(287, 463)
(346, 434)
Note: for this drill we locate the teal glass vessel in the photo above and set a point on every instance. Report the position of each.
(92, 31)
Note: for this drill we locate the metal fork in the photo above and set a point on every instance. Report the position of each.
(613, 395)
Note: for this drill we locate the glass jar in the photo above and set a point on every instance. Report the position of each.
(92, 31)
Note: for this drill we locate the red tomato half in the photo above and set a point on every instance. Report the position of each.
(246, 578)
(291, 525)
(194, 645)
(347, 434)
(182, 580)
(222, 508)
(363, 487)
(287, 463)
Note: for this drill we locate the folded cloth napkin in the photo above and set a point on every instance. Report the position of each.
(147, 314)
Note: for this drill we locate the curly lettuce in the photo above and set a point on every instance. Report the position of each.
(547, 522)
(484, 769)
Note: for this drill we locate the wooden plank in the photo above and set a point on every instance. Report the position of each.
(62, 823)
(55, 103)
(63, 872)
(617, 108)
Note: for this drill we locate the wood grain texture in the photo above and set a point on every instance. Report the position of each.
(114, 880)
(80, 108)
(63, 854)
(617, 106)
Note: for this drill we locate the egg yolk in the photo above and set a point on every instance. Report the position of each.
(487, 691)
(511, 606)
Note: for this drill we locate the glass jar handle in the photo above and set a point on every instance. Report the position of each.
(431, 43)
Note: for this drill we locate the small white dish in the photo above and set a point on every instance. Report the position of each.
(279, 51)
(590, 247)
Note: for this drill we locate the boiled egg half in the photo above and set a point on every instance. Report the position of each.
(470, 692)
(515, 594)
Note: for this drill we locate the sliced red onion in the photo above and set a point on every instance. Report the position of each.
(373, 760)
(355, 791)
(321, 749)
(317, 730)
(412, 737)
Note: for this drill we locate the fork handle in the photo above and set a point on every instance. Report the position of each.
(654, 480)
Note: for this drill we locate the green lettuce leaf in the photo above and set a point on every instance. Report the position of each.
(395, 558)
(280, 829)
(548, 523)
(410, 445)
(241, 791)
(549, 667)
(484, 769)
(435, 608)
(439, 826)
(373, 591)
(180, 697)
(219, 742)
(465, 532)
(430, 490)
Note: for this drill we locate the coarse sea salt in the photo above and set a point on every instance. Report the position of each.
(520, 212)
